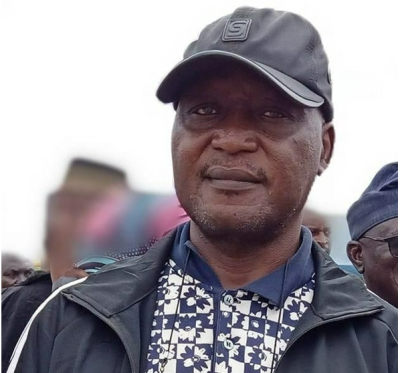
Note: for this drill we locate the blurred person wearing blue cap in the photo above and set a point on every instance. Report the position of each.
(242, 287)
(373, 224)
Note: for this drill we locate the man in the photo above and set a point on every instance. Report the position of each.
(373, 224)
(317, 225)
(14, 270)
(241, 287)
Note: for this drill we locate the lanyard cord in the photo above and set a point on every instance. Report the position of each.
(281, 307)
(166, 358)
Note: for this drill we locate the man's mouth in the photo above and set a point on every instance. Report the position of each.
(231, 178)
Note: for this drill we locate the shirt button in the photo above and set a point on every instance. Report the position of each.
(225, 314)
(228, 299)
(228, 344)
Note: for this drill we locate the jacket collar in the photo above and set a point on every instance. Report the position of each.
(125, 283)
(122, 284)
(336, 292)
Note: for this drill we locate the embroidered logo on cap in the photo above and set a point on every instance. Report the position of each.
(237, 30)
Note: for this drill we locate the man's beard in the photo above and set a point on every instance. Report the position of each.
(266, 222)
(256, 228)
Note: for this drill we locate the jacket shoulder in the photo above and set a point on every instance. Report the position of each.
(155, 257)
(119, 285)
(52, 315)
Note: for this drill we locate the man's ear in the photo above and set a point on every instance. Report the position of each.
(328, 143)
(355, 254)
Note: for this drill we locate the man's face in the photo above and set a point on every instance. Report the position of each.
(14, 271)
(379, 265)
(316, 224)
(244, 155)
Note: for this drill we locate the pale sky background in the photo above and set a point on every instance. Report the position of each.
(78, 77)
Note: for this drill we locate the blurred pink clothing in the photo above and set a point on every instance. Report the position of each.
(126, 224)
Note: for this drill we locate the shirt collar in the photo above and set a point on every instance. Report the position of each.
(275, 287)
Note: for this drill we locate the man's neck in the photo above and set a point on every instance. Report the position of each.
(240, 263)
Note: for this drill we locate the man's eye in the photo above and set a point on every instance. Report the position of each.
(274, 114)
(205, 110)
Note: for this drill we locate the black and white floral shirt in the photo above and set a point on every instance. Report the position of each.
(200, 327)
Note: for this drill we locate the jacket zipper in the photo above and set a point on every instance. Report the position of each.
(317, 326)
(106, 321)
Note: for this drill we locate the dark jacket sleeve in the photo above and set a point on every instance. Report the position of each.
(12, 325)
(33, 353)
(18, 305)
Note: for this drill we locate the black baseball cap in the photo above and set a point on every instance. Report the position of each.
(282, 47)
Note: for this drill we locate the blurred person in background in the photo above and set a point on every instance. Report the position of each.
(373, 225)
(242, 287)
(93, 219)
(317, 224)
(84, 185)
(87, 182)
(14, 270)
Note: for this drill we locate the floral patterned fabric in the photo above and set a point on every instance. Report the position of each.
(198, 328)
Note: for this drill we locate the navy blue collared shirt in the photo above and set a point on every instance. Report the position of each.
(299, 271)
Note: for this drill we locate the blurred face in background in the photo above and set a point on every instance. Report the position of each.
(317, 225)
(14, 270)
(66, 215)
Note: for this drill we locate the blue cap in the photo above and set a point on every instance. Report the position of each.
(377, 204)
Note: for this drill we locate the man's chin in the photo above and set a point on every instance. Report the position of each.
(231, 221)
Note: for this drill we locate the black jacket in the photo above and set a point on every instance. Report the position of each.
(18, 303)
(103, 324)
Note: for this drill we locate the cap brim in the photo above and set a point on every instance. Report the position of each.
(171, 87)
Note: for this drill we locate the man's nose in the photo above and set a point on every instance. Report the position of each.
(235, 135)
(321, 237)
(233, 142)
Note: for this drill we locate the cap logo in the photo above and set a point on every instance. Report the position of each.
(237, 30)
